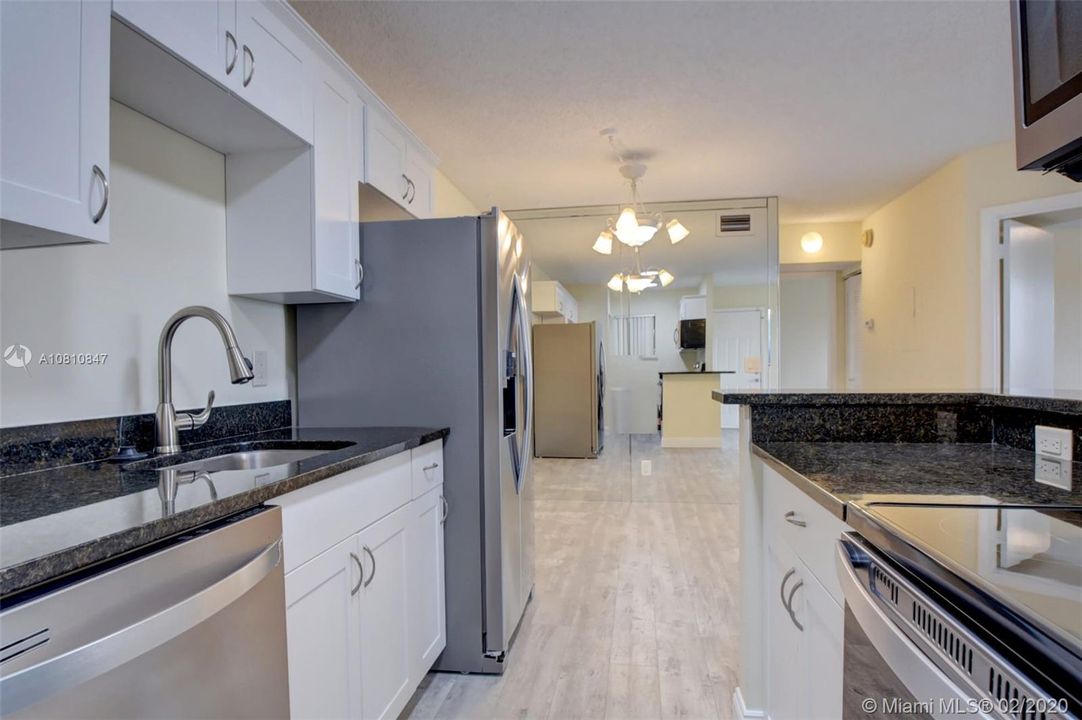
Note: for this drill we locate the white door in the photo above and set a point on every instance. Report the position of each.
(336, 251)
(427, 621)
(854, 329)
(323, 634)
(54, 121)
(274, 65)
(386, 667)
(738, 354)
(202, 33)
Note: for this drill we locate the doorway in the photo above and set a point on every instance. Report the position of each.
(738, 351)
(854, 328)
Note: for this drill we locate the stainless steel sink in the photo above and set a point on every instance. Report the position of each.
(248, 460)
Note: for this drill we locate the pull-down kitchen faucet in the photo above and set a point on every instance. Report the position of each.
(167, 421)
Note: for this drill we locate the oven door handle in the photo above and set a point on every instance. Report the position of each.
(920, 675)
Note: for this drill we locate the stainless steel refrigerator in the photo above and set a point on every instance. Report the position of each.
(441, 337)
(569, 364)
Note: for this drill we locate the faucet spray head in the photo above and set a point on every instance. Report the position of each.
(240, 367)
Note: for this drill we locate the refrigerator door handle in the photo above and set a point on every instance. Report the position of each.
(526, 348)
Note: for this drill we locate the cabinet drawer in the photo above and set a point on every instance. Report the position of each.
(427, 467)
(814, 541)
(316, 517)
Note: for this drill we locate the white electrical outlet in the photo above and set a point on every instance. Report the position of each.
(259, 368)
(1053, 471)
(647, 467)
(1053, 442)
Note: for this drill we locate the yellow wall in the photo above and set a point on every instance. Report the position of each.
(448, 200)
(841, 243)
(921, 278)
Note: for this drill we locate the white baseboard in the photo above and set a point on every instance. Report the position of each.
(713, 441)
(740, 710)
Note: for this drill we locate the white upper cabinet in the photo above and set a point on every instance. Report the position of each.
(54, 122)
(202, 32)
(385, 155)
(395, 167)
(553, 303)
(336, 250)
(274, 68)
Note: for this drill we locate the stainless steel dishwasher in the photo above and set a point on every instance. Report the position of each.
(193, 627)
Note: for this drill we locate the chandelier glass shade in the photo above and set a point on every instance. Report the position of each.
(634, 227)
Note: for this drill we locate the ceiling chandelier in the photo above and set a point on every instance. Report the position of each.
(634, 227)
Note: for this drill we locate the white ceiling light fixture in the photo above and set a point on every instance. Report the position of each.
(811, 242)
(635, 226)
(638, 279)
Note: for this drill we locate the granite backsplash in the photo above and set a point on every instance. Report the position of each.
(37, 447)
(906, 417)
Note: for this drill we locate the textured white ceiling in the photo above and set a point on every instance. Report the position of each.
(833, 106)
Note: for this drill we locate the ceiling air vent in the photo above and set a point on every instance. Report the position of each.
(733, 224)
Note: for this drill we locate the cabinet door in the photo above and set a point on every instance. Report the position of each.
(823, 620)
(336, 246)
(419, 175)
(274, 69)
(323, 634)
(427, 621)
(385, 155)
(786, 680)
(54, 121)
(203, 33)
(386, 667)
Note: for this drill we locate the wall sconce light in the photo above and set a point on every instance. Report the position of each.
(811, 242)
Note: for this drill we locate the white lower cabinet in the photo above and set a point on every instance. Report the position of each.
(427, 591)
(803, 618)
(323, 628)
(385, 616)
(365, 618)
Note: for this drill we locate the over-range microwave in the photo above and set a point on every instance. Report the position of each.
(691, 334)
(1047, 47)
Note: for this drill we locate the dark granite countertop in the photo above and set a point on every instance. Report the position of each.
(785, 397)
(696, 372)
(56, 521)
(835, 473)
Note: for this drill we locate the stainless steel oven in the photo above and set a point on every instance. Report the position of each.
(1047, 50)
(961, 611)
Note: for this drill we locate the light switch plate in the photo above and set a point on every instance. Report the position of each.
(1053, 442)
(647, 467)
(259, 368)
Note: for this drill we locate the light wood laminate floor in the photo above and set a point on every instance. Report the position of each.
(634, 612)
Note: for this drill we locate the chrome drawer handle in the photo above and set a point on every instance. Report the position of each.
(251, 65)
(406, 194)
(360, 275)
(361, 578)
(371, 557)
(789, 605)
(446, 509)
(105, 195)
(433, 466)
(792, 571)
(790, 517)
(229, 38)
